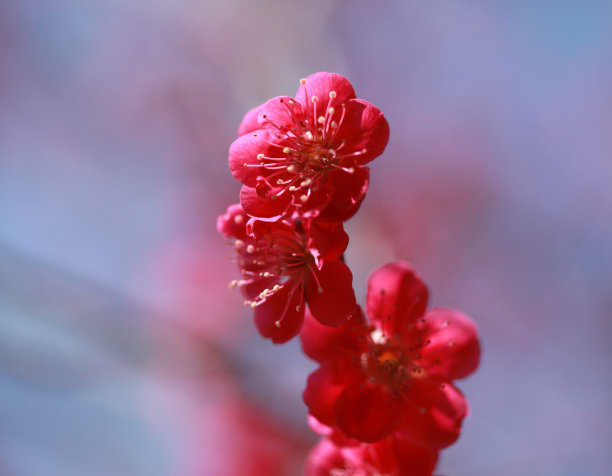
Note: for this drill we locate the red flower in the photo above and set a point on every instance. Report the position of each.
(286, 266)
(305, 157)
(391, 457)
(393, 375)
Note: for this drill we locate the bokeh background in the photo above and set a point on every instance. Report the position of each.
(122, 352)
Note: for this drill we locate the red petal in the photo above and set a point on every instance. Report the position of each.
(396, 297)
(363, 127)
(349, 192)
(261, 208)
(320, 85)
(331, 300)
(243, 155)
(280, 307)
(249, 122)
(329, 239)
(233, 223)
(401, 457)
(323, 388)
(453, 351)
(324, 458)
(366, 412)
(334, 344)
(433, 414)
(279, 116)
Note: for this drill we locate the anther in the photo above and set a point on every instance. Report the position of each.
(303, 198)
(351, 170)
(291, 169)
(260, 156)
(334, 124)
(253, 305)
(332, 94)
(320, 290)
(320, 119)
(276, 287)
(302, 81)
(238, 219)
(239, 244)
(286, 150)
(250, 249)
(233, 284)
(297, 308)
(314, 98)
(331, 110)
(277, 323)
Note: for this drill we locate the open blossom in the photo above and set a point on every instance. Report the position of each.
(304, 157)
(389, 457)
(286, 266)
(393, 375)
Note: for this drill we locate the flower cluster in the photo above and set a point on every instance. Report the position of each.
(383, 397)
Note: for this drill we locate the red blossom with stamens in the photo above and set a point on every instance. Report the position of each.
(304, 157)
(285, 266)
(392, 375)
(391, 457)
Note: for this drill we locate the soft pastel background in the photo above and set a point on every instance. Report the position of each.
(121, 350)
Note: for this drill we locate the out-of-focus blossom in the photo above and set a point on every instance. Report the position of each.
(391, 457)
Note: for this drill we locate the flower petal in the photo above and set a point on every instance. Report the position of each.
(364, 130)
(278, 317)
(327, 344)
(349, 190)
(329, 239)
(320, 85)
(261, 208)
(433, 414)
(243, 159)
(280, 115)
(453, 351)
(323, 387)
(366, 412)
(396, 297)
(330, 296)
(233, 223)
(249, 122)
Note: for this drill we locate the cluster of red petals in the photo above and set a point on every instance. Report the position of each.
(392, 375)
(390, 457)
(304, 157)
(288, 265)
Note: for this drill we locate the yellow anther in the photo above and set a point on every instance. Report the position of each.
(286, 150)
(314, 98)
(332, 94)
(303, 198)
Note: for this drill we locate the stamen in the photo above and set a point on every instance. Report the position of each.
(233, 284)
(286, 150)
(250, 249)
(314, 98)
(302, 81)
(332, 94)
(238, 219)
(303, 198)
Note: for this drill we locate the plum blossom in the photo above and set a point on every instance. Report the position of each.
(305, 157)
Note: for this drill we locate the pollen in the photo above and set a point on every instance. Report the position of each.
(286, 150)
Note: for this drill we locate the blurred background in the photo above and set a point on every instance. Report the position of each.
(122, 352)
